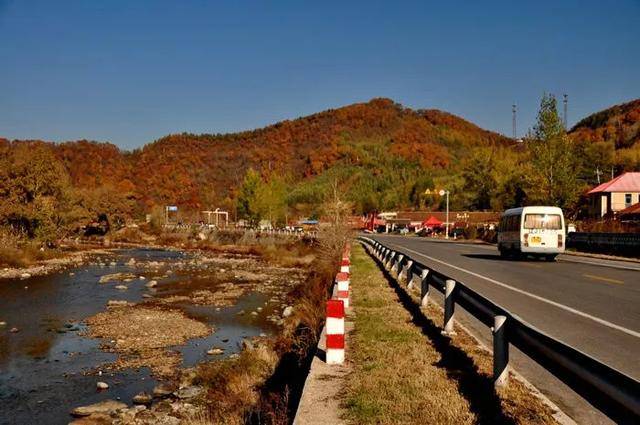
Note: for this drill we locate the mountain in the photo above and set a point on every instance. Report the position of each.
(619, 124)
(202, 170)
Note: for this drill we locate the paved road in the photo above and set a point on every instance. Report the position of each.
(591, 304)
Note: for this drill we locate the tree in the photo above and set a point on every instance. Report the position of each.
(552, 156)
(247, 205)
(271, 200)
(35, 192)
(480, 183)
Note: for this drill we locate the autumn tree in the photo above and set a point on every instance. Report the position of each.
(271, 200)
(248, 208)
(35, 192)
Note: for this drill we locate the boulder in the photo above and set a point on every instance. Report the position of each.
(106, 406)
(102, 385)
(152, 284)
(25, 275)
(121, 287)
(215, 351)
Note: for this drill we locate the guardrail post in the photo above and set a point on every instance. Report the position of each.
(389, 265)
(500, 352)
(424, 288)
(408, 274)
(449, 307)
(397, 266)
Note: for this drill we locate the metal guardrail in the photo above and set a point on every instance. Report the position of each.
(611, 391)
(608, 243)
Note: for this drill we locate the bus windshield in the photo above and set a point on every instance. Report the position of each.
(543, 221)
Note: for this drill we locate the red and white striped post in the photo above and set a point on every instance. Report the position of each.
(335, 332)
(342, 293)
(344, 265)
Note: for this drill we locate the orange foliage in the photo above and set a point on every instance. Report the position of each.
(200, 171)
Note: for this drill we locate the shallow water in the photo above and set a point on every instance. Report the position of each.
(42, 366)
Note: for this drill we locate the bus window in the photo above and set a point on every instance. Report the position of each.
(543, 221)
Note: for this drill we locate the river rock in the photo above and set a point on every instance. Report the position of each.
(162, 390)
(106, 406)
(3, 323)
(188, 393)
(121, 287)
(14, 330)
(25, 275)
(102, 385)
(247, 344)
(141, 277)
(215, 351)
(142, 398)
(152, 284)
(131, 262)
(117, 303)
(287, 311)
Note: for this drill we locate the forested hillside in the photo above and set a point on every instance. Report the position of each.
(198, 171)
(610, 139)
(379, 154)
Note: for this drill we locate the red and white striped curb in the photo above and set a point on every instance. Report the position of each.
(335, 332)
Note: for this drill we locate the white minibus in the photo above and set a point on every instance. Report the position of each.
(537, 231)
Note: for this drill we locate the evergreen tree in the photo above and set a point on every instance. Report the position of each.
(552, 158)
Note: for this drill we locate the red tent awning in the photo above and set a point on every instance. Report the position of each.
(432, 222)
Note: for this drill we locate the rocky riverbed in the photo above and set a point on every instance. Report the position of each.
(137, 321)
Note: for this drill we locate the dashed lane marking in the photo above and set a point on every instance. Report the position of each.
(604, 279)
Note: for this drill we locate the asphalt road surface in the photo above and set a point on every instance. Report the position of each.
(591, 304)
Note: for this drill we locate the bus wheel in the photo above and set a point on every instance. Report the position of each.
(550, 257)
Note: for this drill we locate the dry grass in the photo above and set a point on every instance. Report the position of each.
(232, 384)
(261, 385)
(405, 371)
(18, 253)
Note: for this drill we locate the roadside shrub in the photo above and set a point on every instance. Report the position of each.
(471, 232)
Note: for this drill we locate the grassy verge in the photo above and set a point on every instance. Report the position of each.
(405, 371)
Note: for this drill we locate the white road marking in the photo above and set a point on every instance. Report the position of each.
(535, 297)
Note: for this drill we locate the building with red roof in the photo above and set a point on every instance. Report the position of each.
(611, 197)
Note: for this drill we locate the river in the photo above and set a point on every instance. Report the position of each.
(47, 367)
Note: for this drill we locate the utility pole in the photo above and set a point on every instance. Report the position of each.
(565, 100)
(513, 119)
(446, 225)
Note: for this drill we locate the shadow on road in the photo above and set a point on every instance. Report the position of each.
(476, 387)
(493, 257)
(497, 257)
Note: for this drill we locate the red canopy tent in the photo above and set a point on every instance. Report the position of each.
(432, 222)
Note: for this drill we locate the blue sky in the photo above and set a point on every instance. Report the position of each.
(129, 72)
